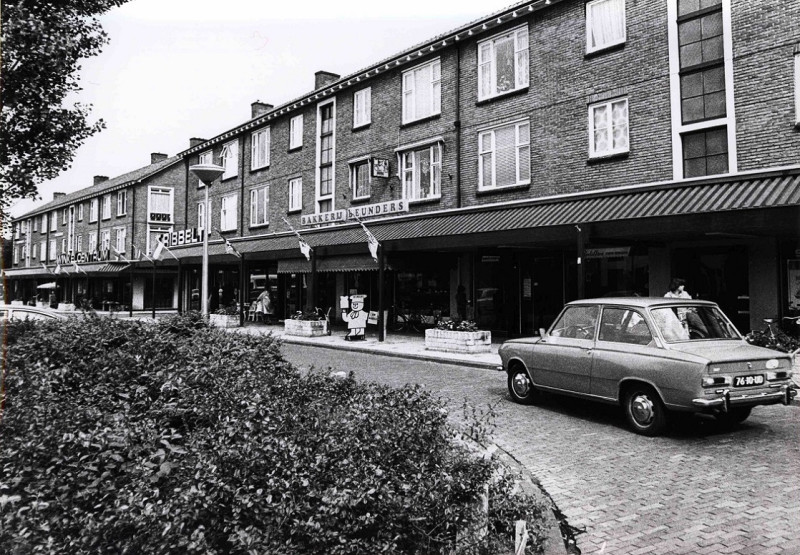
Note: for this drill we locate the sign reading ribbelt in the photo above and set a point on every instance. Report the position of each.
(379, 209)
(182, 237)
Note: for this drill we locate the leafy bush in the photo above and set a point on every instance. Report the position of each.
(457, 325)
(313, 315)
(173, 437)
(229, 310)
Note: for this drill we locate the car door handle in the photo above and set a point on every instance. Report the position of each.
(588, 351)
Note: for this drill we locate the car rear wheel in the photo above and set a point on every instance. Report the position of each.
(734, 416)
(644, 410)
(520, 386)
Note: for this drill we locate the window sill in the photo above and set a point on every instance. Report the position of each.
(257, 226)
(233, 230)
(515, 92)
(258, 169)
(295, 211)
(604, 50)
(432, 200)
(607, 158)
(362, 127)
(503, 189)
(228, 178)
(359, 200)
(421, 120)
(294, 149)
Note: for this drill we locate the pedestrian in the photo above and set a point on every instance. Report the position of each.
(688, 316)
(677, 289)
(265, 306)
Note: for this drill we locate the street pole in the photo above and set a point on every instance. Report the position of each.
(206, 173)
(154, 288)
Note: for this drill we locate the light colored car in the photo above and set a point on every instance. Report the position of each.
(24, 312)
(653, 356)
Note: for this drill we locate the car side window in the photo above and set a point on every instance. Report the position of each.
(577, 322)
(621, 325)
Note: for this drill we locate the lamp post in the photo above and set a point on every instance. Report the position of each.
(206, 173)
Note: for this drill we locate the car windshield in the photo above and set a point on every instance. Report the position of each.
(690, 323)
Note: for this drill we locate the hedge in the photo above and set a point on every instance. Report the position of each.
(123, 436)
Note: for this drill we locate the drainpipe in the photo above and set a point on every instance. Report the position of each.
(457, 126)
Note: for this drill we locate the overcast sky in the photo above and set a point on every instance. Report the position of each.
(177, 69)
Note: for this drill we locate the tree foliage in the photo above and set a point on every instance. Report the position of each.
(43, 42)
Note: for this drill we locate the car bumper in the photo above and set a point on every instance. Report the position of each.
(782, 394)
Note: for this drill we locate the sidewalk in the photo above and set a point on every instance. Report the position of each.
(397, 345)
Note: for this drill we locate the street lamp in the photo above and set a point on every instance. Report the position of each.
(206, 173)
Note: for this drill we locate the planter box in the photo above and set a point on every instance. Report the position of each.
(458, 341)
(305, 328)
(68, 307)
(223, 320)
(18, 303)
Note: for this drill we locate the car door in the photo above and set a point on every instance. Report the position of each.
(564, 357)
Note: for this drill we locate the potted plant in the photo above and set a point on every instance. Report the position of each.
(225, 317)
(307, 323)
(458, 336)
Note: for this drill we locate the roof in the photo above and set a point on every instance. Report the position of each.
(642, 302)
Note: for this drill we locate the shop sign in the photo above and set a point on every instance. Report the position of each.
(380, 167)
(84, 257)
(368, 210)
(490, 258)
(183, 237)
(611, 252)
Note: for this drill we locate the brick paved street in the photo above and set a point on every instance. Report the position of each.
(701, 490)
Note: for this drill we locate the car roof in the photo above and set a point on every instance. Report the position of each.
(36, 309)
(641, 302)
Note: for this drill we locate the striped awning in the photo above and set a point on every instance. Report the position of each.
(347, 263)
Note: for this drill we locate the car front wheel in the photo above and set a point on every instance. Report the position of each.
(644, 410)
(520, 386)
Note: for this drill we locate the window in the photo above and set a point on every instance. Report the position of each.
(153, 235)
(43, 251)
(325, 158)
(230, 159)
(92, 246)
(80, 212)
(608, 128)
(159, 204)
(797, 86)
(205, 158)
(296, 132)
(605, 24)
(52, 249)
(295, 194)
(119, 239)
(93, 210)
(362, 107)
(35, 224)
(360, 179)
(106, 207)
(79, 243)
(705, 152)
(422, 91)
(17, 227)
(16, 255)
(122, 203)
(201, 214)
(259, 206)
(422, 173)
(44, 223)
(228, 213)
(105, 239)
(33, 250)
(503, 63)
(64, 217)
(577, 322)
(64, 246)
(619, 325)
(260, 141)
(504, 156)
(53, 221)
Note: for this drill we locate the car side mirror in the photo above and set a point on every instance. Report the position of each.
(543, 333)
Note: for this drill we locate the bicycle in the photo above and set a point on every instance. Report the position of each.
(771, 339)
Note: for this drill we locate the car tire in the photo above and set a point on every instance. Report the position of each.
(734, 416)
(520, 386)
(644, 410)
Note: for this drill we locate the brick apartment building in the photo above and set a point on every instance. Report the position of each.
(550, 151)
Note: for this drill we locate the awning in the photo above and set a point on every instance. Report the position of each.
(346, 263)
(48, 285)
(26, 272)
(101, 268)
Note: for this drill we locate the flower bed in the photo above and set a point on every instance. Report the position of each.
(306, 328)
(458, 341)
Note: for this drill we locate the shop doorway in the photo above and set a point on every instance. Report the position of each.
(541, 292)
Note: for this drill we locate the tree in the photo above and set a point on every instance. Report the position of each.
(43, 42)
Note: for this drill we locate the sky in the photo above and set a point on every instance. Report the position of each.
(178, 69)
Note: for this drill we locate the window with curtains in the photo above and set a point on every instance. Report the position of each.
(92, 246)
(33, 250)
(504, 156)
(503, 63)
(705, 152)
(422, 90)
(326, 158)
(608, 128)
(605, 24)
(64, 217)
(201, 214)
(105, 239)
(204, 158)
(43, 251)
(159, 203)
(16, 255)
(94, 212)
(362, 107)
(122, 202)
(119, 239)
(43, 226)
(79, 243)
(106, 204)
(259, 206)
(230, 159)
(80, 212)
(52, 252)
(259, 149)
(296, 132)
(295, 194)
(228, 213)
(360, 179)
(35, 224)
(54, 221)
(64, 246)
(422, 173)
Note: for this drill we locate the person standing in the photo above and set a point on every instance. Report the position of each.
(688, 316)
(677, 289)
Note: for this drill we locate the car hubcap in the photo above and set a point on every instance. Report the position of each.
(642, 409)
(521, 385)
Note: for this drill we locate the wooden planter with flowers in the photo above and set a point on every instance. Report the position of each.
(306, 324)
(226, 317)
(458, 337)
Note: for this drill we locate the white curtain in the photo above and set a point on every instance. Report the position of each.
(606, 20)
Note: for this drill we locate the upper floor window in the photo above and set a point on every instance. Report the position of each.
(705, 152)
(52, 252)
(422, 172)
(230, 159)
(504, 156)
(122, 203)
(327, 152)
(105, 239)
(80, 212)
(64, 213)
(159, 204)
(43, 251)
(78, 243)
(205, 158)
(259, 206)
(43, 226)
(106, 207)
(119, 239)
(16, 254)
(296, 132)
(201, 214)
(35, 224)
(422, 91)
(53, 221)
(608, 128)
(94, 205)
(228, 213)
(362, 107)
(259, 150)
(64, 246)
(503, 63)
(605, 24)
(360, 179)
(92, 239)
(295, 194)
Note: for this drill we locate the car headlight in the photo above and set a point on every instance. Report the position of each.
(715, 381)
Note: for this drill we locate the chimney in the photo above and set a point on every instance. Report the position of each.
(194, 141)
(259, 108)
(99, 179)
(156, 157)
(324, 78)
(58, 195)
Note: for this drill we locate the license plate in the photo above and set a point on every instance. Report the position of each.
(748, 381)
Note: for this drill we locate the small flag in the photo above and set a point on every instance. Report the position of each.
(372, 242)
(142, 254)
(119, 255)
(57, 269)
(230, 249)
(305, 248)
(78, 268)
(158, 251)
(49, 271)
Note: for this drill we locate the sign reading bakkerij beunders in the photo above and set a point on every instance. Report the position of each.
(366, 211)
